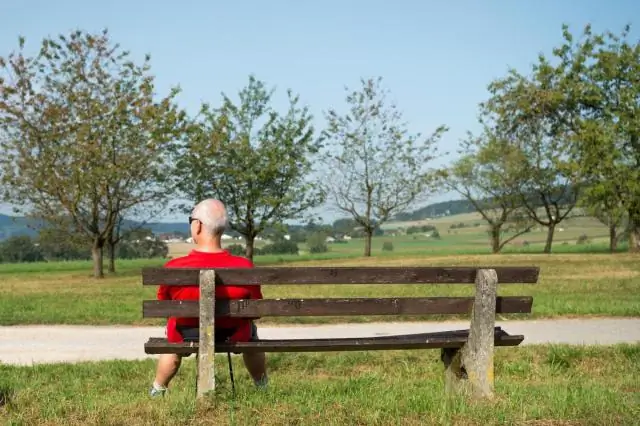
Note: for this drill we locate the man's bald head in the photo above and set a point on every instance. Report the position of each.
(213, 216)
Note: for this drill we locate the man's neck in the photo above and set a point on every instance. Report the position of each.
(209, 248)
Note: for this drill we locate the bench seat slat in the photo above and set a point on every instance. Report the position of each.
(449, 339)
(333, 307)
(339, 275)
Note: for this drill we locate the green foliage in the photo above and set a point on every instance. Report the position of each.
(142, 249)
(420, 229)
(387, 246)
(488, 176)
(254, 159)
(236, 249)
(317, 243)
(60, 244)
(280, 247)
(19, 249)
(375, 167)
(84, 139)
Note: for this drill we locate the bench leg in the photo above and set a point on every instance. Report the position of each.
(455, 375)
(469, 369)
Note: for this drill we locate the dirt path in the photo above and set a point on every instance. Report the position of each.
(27, 345)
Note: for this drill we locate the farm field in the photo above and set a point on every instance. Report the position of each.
(541, 385)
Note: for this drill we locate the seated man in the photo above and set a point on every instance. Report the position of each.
(207, 223)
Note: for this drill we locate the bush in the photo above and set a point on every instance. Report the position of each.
(280, 247)
(582, 239)
(237, 249)
(435, 234)
(387, 246)
(317, 243)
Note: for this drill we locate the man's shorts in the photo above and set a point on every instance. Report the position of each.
(192, 334)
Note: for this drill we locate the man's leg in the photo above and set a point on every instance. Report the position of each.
(168, 365)
(256, 362)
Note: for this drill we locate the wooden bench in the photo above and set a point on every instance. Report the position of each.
(467, 354)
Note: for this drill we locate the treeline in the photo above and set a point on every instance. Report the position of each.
(47, 246)
(87, 142)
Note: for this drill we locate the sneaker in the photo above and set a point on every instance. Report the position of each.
(153, 392)
(262, 383)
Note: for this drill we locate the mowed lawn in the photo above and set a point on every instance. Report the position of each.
(570, 285)
(543, 385)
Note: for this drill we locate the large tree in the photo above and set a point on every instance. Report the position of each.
(608, 131)
(489, 176)
(82, 134)
(374, 167)
(523, 109)
(596, 104)
(256, 160)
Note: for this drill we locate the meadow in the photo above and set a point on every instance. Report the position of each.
(542, 385)
(575, 280)
(535, 385)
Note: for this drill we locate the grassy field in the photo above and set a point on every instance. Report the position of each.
(569, 285)
(545, 385)
(470, 239)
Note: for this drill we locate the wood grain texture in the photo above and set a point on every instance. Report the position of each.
(339, 275)
(448, 339)
(333, 307)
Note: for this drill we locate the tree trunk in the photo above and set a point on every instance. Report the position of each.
(495, 238)
(367, 242)
(248, 250)
(550, 232)
(613, 237)
(96, 255)
(111, 253)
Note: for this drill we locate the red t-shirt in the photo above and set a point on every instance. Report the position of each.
(198, 259)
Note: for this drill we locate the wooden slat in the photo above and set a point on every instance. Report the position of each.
(333, 307)
(339, 275)
(415, 341)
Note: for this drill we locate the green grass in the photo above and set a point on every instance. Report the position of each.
(539, 385)
(569, 285)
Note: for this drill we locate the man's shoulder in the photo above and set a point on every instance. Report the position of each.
(198, 260)
(239, 262)
(177, 262)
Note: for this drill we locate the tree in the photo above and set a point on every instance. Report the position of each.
(600, 93)
(607, 206)
(524, 110)
(82, 135)
(61, 243)
(489, 177)
(608, 132)
(375, 167)
(254, 159)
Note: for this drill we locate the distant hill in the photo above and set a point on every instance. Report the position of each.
(454, 207)
(12, 226)
(445, 208)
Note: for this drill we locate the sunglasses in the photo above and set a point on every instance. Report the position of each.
(191, 219)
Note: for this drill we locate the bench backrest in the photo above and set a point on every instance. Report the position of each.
(266, 276)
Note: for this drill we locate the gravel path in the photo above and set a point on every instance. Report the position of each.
(26, 345)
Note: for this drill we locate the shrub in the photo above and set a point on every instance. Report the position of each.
(281, 247)
(317, 243)
(237, 249)
(582, 239)
(387, 246)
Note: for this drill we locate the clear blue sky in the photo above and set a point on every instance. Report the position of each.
(436, 57)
